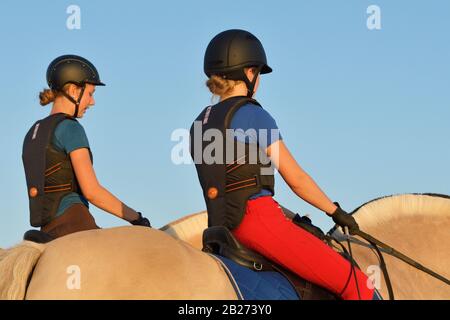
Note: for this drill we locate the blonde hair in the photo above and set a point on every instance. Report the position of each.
(220, 86)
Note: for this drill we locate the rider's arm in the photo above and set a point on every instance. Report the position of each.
(93, 191)
(297, 179)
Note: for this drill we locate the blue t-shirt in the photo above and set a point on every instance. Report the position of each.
(69, 135)
(253, 124)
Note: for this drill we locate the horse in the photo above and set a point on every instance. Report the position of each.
(141, 263)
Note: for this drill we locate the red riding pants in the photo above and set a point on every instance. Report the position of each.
(266, 230)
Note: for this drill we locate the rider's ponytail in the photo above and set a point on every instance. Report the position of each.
(47, 96)
(220, 86)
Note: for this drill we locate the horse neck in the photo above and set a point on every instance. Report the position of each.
(418, 230)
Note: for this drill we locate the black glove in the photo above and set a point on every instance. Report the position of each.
(141, 221)
(343, 219)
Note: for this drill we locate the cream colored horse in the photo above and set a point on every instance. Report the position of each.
(142, 263)
(120, 263)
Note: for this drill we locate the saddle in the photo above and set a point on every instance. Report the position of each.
(219, 240)
(37, 236)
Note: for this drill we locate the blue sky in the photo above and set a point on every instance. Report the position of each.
(365, 112)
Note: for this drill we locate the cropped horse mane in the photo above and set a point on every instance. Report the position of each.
(385, 209)
(189, 228)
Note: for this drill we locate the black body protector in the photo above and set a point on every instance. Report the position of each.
(240, 171)
(49, 172)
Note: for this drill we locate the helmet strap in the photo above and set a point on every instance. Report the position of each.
(251, 84)
(76, 102)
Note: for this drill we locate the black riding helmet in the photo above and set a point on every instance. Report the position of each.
(229, 52)
(72, 69)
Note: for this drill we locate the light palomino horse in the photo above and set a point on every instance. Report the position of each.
(417, 225)
(142, 263)
(123, 263)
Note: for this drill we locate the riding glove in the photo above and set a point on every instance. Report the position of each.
(343, 219)
(141, 221)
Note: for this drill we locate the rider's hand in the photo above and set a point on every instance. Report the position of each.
(141, 221)
(343, 219)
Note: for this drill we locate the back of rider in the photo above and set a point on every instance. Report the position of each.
(69, 136)
(73, 212)
(266, 230)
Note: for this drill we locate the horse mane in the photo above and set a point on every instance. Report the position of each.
(385, 209)
(16, 265)
(188, 228)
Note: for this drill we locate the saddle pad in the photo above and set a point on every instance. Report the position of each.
(262, 285)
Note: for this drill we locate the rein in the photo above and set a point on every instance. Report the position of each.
(377, 244)
(389, 250)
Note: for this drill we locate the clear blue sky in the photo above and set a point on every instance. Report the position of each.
(366, 113)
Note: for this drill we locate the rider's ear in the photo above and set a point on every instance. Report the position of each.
(250, 73)
(72, 90)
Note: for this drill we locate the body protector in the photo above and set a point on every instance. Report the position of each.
(239, 170)
(48, 171)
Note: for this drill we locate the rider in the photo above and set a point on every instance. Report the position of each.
(238, 192)
(57, 157)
